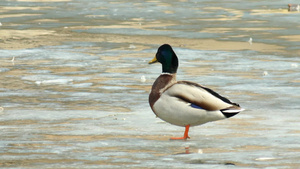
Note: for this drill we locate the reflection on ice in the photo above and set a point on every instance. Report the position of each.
(53, 82)
(75, 81)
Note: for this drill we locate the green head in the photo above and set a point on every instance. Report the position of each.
(167, 57)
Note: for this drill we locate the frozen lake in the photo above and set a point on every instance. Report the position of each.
(75, 81)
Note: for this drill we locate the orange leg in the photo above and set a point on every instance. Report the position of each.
(185, 136)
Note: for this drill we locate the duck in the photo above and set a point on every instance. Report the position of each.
(185, 103)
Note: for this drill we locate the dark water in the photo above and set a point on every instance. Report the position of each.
(75, 83)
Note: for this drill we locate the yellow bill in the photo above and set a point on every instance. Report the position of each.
(154, 60)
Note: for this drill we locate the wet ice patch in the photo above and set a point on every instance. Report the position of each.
(39, 71)
(114, 87)
(57, 53)
(82, 85)
(54, 81)
(48, 79)
(294, 65)
(4, 70)
(265, 158)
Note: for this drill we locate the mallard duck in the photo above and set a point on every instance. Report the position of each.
(185, 103)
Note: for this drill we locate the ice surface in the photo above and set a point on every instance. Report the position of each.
(83, 102)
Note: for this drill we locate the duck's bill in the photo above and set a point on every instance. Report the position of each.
(154, 60)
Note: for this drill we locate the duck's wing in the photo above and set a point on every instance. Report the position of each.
(200, 97)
